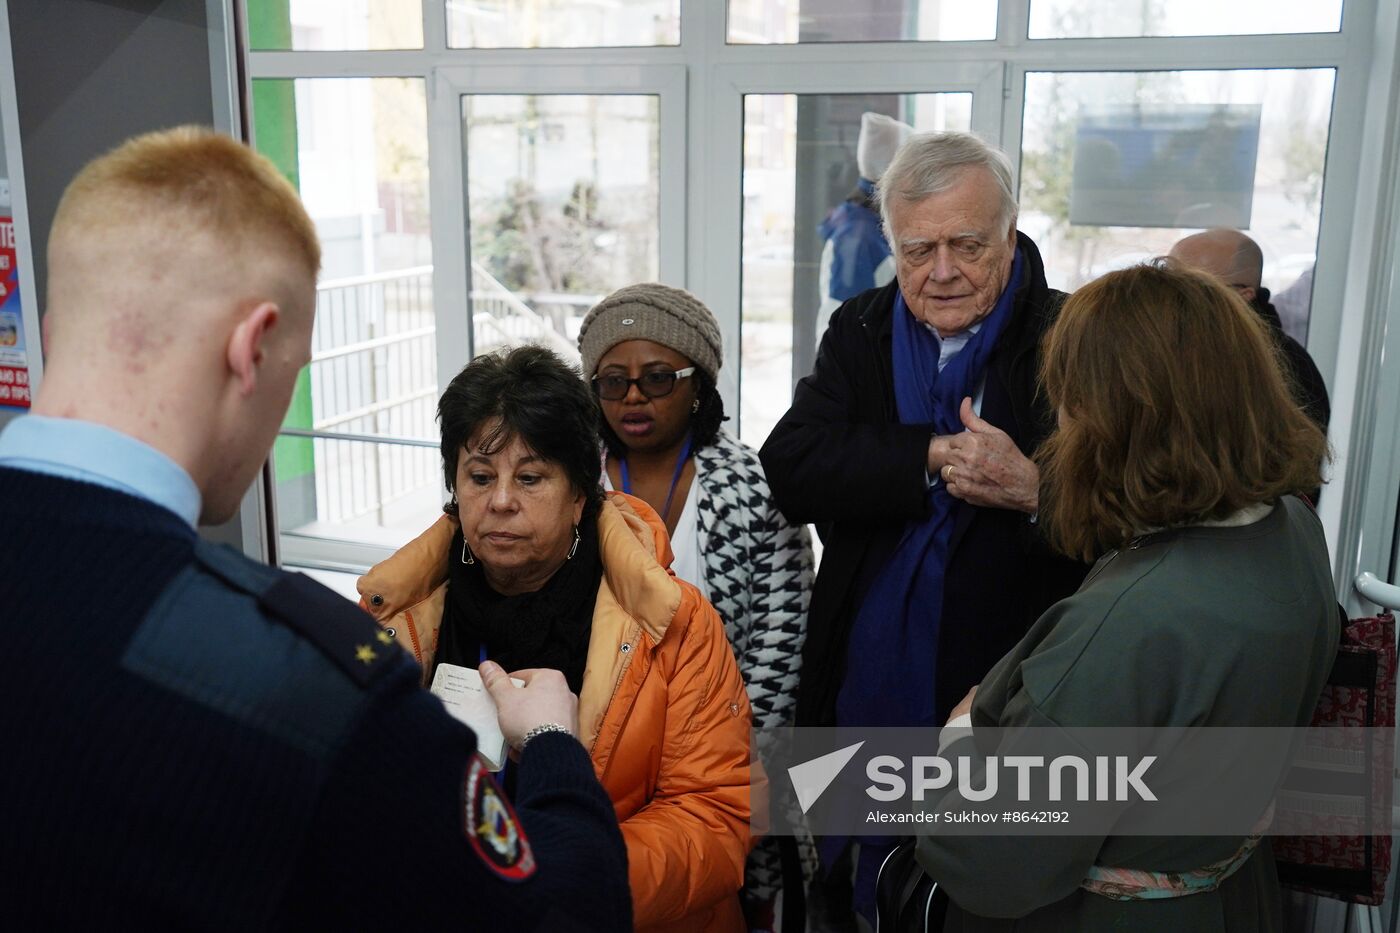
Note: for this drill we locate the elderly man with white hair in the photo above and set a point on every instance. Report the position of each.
(910, 447)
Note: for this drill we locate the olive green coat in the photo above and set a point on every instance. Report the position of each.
(1210, 626)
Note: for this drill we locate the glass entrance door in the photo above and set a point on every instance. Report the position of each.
(567, 196)
(806, 158)
(807, 148)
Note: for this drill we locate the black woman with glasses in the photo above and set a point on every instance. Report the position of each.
(652, 356)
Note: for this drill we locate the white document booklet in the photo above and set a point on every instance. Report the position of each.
(464, 695)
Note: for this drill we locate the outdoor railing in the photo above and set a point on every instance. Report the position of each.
(373, 373)
(373, 381)
(501, 319)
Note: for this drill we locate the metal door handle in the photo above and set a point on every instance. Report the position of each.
(1378, 591)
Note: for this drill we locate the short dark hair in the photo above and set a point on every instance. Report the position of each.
(704, 425)
(1173, 410)
(537, 397)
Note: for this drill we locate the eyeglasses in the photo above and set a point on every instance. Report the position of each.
(656, 384)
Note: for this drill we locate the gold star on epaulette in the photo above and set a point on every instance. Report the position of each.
(365, 654)
(385, 638)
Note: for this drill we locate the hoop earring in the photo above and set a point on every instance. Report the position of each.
(573, 550)
(695, 406)
(467, 557)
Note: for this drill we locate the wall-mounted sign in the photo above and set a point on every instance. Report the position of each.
(14, 363)
(1165, 165)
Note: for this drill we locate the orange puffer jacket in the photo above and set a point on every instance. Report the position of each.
(663, 712)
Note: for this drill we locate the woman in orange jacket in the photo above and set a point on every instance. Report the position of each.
(532, 567)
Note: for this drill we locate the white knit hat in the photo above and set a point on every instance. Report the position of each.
(880, 138)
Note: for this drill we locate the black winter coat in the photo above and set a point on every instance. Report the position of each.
(841, 459)
(1308, 386)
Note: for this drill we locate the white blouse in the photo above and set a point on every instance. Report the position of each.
(686, 544)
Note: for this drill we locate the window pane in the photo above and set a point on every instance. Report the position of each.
(1117, 167)
(334, 25)
(563, 194)
(1091, 19)
(762, 22)
(357, 149)
(803, 162)
(541, 24)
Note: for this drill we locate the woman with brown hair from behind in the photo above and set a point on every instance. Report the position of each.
(1176, 463)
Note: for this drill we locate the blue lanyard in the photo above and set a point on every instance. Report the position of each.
(675, 477)
(507, 764)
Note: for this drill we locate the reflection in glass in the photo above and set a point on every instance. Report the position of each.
(542, 24)
(358, 150)
(763, 22)
(334, 25)
(563, 194)
(1091, 19)
(1116, 167)
(801, 163)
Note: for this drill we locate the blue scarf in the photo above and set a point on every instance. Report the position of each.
(892, 653)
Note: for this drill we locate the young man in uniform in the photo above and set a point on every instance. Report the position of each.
(192, 739)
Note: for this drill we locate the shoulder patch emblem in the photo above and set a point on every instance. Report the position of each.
(492, 828)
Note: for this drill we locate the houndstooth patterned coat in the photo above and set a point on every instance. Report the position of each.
(758, 570)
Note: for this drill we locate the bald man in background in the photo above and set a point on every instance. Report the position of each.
(1237, 261)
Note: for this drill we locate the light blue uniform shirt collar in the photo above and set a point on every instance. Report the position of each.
(91, 453)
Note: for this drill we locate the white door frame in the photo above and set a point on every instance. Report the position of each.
(717, 200)
(1362, 519)
(448, 167)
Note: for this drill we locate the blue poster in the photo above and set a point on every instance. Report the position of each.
(1165, 165)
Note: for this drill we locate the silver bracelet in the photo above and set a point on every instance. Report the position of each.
(541, 729)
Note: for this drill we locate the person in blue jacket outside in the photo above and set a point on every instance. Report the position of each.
(855, 256)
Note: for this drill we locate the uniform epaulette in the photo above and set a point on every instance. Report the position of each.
(234, 568)
(345, 634)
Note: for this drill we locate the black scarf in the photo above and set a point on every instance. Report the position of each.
(548, 628)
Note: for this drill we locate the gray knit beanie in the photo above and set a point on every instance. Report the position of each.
(669, 316)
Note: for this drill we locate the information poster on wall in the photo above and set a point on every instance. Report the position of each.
(1165, 165)
(14, 363)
